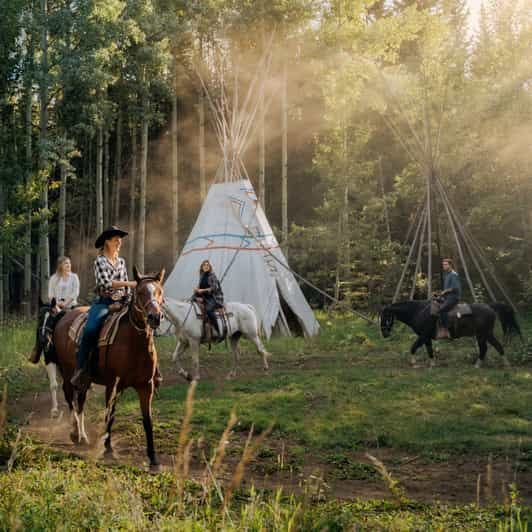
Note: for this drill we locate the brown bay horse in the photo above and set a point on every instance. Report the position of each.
(130, 361)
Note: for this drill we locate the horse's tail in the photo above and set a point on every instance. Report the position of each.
(509, 323)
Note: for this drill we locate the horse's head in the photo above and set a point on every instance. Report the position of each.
(149, 297)
(45, 325)
(386, 320)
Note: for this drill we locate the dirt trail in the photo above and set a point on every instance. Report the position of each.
(454, 479)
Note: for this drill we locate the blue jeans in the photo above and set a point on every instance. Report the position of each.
(97, 313)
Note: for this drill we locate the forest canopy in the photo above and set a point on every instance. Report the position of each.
(104, 120)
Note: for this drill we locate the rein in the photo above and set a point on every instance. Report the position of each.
(133, 305)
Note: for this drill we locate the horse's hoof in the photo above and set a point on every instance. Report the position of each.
(185, 374)
(155, 467)
(432, 363)
(506, 362)
(109, 454)
(74, 438)
(54, 413)
(478, 364)
(84, 441)
(413, 362)
(230, 376)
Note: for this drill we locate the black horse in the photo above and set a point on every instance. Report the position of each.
(480, 323)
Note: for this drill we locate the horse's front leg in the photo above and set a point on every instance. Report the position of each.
(68, 390)
(180, 349)
(51, 370)
(420, 340)
(430, 351)
(79, 416)
(111, 397)
(145, 398)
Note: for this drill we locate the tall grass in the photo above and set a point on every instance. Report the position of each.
(16, 341)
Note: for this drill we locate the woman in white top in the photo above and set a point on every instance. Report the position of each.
(64, 285)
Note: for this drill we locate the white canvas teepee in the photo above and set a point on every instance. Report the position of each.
(232, 231)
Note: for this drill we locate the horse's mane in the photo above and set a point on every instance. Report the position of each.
(409, 304)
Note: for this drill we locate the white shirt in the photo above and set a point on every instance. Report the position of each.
(64, 288)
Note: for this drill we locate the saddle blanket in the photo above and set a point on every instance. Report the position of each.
(461, 310)
(222, 317)
(108, 332)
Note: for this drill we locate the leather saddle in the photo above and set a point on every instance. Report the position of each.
(460, 311)
(208, 333)
(108, 331)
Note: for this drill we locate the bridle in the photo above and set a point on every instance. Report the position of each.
(141, 308)
(46, 329)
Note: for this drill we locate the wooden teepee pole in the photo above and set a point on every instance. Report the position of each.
(410, 253)
(460, 251)
(419, 255)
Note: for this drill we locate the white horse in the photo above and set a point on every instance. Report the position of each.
(242, 321)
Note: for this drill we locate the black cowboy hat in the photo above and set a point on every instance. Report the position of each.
(108, 233)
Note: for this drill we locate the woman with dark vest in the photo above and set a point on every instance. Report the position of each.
(112, 285)
(210, 291)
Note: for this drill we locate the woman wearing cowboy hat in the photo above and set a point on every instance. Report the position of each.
(112, 285)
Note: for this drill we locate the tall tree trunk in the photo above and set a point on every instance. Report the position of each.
(44, 242)
(343, 218)
(201, 111)
(133, 195)
(118, 169)
(26, 300)
(384, 202)
(99, 180)
(175, 175)
(106, 187)
(141, 239)
(338, 256)
(62, 203)
(284, 173)
(429, 168)
(2, 282)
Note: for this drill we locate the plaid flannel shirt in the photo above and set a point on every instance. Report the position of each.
(105, 273)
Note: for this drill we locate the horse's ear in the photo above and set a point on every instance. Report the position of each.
(160, 276)
(53, 303)
(136, 274)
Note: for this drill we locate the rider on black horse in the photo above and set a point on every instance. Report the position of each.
(210, 292)
(451, 294)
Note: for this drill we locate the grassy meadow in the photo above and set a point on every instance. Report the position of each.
(453, 444)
